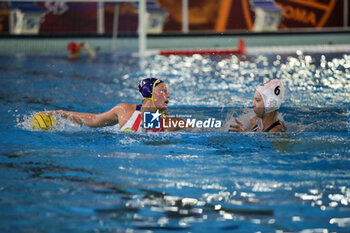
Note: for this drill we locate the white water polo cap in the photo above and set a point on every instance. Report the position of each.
(272, 93)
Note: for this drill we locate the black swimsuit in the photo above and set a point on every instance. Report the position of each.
(255, 128)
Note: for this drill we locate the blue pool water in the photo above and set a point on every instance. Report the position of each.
(77, 179)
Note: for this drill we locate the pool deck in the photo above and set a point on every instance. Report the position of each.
(333, 40)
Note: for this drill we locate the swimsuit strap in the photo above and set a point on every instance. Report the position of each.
(255, 128)
(138, 120)
(272, 126)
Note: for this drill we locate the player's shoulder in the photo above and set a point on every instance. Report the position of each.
(125, 107)
(279, 128)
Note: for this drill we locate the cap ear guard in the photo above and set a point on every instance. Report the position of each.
(272, 93)
(271, 105)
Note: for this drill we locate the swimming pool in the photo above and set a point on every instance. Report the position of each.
(77, 179)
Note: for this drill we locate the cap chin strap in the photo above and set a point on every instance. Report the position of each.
(260, 124)
(152, 98)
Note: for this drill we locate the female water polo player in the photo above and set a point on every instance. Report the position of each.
(75, 50)
(267, 100)
(129, 116)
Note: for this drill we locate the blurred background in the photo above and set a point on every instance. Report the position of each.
(106, 19)
(65, 17)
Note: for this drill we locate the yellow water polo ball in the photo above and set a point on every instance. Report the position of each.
(41, 121)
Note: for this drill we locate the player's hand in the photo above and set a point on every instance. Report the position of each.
(238, 127)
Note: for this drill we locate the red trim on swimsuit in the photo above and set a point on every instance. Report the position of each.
(137, 122)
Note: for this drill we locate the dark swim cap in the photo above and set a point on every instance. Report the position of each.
(146, 86)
